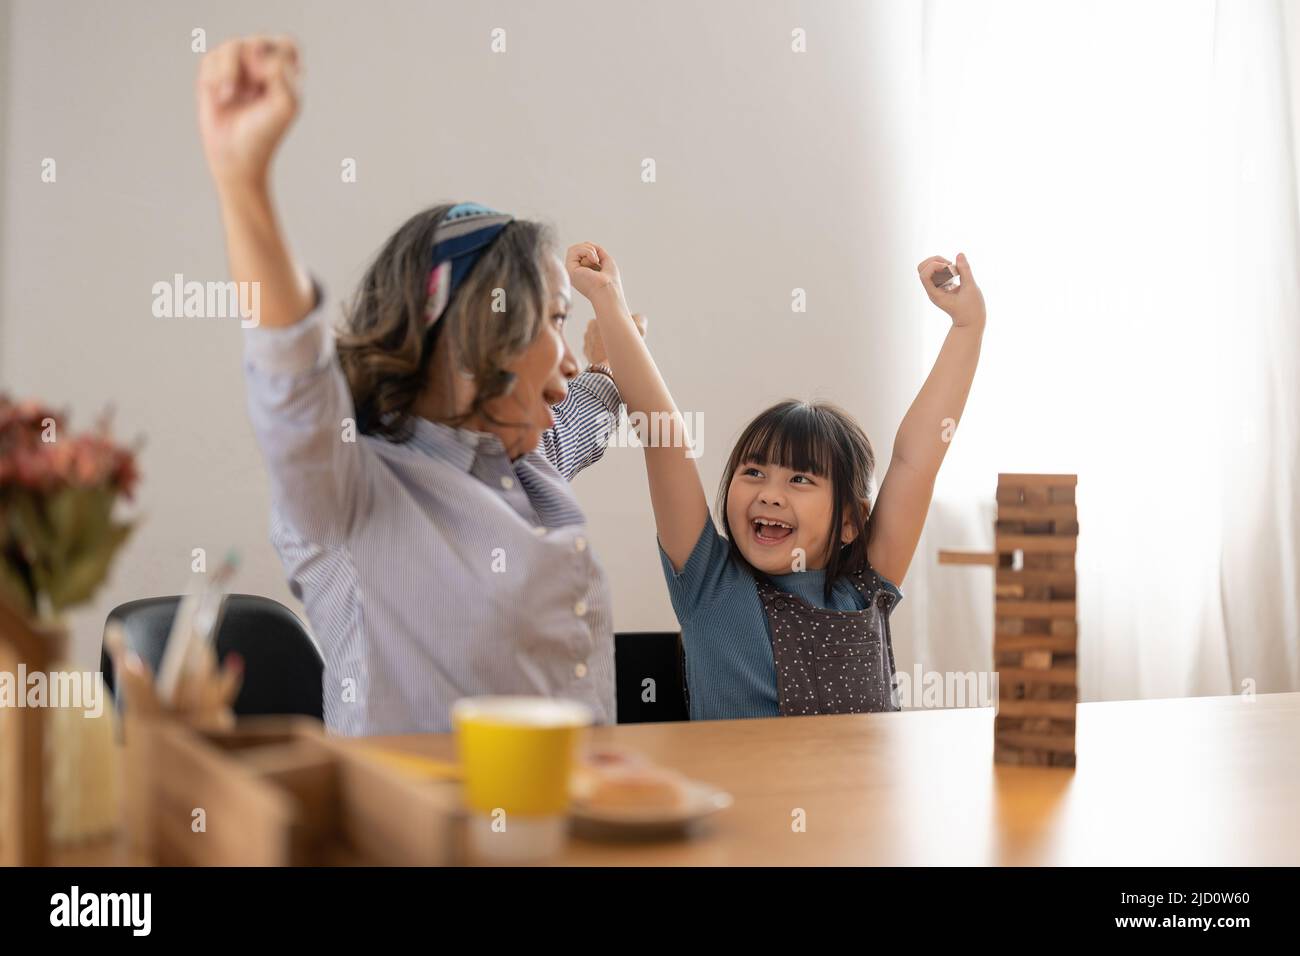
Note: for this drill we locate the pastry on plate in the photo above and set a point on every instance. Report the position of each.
(615, 780)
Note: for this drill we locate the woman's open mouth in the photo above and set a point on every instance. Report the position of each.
(770, 531)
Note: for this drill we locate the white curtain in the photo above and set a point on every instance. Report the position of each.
(1122, 176)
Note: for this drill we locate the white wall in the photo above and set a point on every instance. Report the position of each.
(775, 170)
(1291, 41)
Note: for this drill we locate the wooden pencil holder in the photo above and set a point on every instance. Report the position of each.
(202, 702)
(279, 791)
(139, 768)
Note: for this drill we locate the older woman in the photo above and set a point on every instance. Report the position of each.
(419, 474)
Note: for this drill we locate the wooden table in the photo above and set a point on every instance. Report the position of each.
(1196, 781)
(1199, 781)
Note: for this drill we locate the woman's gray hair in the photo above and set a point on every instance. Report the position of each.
(385, 347)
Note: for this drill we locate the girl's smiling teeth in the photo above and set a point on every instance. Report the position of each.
(770, 530)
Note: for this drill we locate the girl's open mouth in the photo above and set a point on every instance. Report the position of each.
(770, 531)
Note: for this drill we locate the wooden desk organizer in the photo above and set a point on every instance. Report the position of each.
(24, 836)
(1035, 627)
(279, 792)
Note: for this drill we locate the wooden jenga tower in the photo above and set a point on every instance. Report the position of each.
(1035, 624)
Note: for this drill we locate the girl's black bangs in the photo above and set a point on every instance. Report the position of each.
(789, 436)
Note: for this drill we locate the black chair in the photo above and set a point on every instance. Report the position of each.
(657, 656)
(283, 669)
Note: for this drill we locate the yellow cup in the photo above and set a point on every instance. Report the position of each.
(516, 758)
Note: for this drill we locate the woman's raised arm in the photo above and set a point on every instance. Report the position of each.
(298, 398)
(247, 99)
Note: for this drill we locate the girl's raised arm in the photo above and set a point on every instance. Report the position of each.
(676, 492)
(923, 437)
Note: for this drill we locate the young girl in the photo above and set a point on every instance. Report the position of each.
(788, 613)
(418, 470)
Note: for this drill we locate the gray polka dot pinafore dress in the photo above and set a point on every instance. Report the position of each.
(832, 662)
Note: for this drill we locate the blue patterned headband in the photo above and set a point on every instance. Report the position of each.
(459, 241)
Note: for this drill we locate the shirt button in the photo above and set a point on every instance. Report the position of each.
(507, 482)
(580, 608)
(580, 670)
(580, 544)
(539, 531)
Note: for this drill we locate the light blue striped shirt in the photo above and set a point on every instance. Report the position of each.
(435, 568)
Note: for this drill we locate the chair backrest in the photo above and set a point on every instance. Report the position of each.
(659, 657)
(283, 668)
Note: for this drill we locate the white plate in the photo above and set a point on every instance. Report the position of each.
(701, 800)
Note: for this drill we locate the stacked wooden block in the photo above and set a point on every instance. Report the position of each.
(1035, 633)
(1035, 626)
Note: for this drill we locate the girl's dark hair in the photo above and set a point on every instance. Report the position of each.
(383, 346)
(819, 439)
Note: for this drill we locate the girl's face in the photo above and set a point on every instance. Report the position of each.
(542, 374)
(777, 515)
